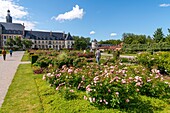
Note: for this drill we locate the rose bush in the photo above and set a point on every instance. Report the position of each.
(110, 85)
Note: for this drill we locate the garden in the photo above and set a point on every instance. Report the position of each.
(117, 84)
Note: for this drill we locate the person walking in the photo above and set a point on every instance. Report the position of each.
(10, 51)
(98, 55)
(4, 54)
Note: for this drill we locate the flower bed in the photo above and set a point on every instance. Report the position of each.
(108, 85)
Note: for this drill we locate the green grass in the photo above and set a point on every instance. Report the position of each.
(22, 96)
(25, 57)
(54, 102)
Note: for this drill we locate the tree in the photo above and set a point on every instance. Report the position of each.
(10, 42)
(149, 40)
(80, 42)
(128, 38)
(27, 43)
(18, 42)
(167, 39)
(158, 35)
(114, 42)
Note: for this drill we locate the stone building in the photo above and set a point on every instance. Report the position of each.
(40, 39)
(94, 44)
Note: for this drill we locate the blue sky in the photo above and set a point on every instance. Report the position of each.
(97, 19)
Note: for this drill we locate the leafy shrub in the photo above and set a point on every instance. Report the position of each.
(79, 62)
(111, 86)
(34, 58)
(43, 61)
(160, 60)
(86, 55)
(38, 70)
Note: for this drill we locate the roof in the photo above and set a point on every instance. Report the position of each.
(68, 37)
(12, 26)
(104, 45)
(41, 35)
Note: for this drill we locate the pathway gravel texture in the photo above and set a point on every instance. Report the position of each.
(7, 71)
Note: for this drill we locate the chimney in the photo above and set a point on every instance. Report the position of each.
(50, 33)
(31, 31)
(23, 31)
(64, 34)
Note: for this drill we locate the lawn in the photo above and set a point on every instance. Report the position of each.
(25, 57)
(22, 96)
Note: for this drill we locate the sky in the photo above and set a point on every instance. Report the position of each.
(97, 19)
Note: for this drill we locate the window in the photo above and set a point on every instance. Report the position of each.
(49, 42)
(4, 37)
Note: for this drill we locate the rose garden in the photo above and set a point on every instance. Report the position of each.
(128, 85)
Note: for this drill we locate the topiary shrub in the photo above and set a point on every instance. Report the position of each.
(34, 58)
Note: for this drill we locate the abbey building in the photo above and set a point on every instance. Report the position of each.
(40, 39)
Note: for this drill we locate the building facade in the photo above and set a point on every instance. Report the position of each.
(40, 39)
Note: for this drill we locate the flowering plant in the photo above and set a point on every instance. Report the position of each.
(110, 85)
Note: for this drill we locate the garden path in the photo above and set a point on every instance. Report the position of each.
(7, 71)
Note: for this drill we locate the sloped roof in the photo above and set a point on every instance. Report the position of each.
(12, 26)
(41, 35)
(68, 37)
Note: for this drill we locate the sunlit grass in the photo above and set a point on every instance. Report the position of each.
(22, 96)
(25, 57)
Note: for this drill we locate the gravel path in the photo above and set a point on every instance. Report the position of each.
(7, 71)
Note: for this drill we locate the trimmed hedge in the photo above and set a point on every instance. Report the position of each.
(34, 58)
(146, 47)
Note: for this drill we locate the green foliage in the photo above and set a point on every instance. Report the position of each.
(158, 35)
(34, 58)
(114, 42)
(116, 55)
(79, 62)
(18, 42)
(159, 60)
(130, 38)
(27, 43)
(110, 86)
(10, 42)
(146, 47)
(80, 43)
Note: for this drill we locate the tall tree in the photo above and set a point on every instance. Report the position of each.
(80, 42)
(128, 38)
(18, 42)
(167, 38)
(114, 42)
(27, 43)
(10, 42)
(158, 35)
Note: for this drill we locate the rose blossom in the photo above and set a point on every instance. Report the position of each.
(85, 98)
(127, 100)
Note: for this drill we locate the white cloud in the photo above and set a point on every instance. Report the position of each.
(113, 34)
(164, 5)
(76, 13)
(17, 12)
(92, 32)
